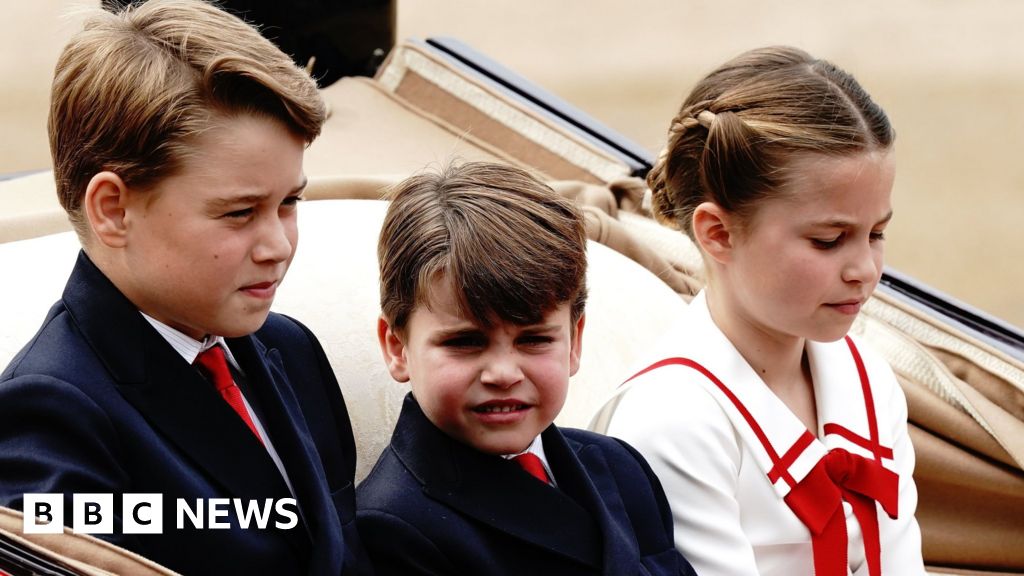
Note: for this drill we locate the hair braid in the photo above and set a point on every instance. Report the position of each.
(742, 125)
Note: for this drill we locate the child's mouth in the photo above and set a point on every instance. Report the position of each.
(499, 408)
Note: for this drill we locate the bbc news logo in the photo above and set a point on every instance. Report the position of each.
(144, 513)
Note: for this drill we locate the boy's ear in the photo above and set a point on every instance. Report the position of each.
(393, 349)
(576, 349)
(713, 230)
(104, 204)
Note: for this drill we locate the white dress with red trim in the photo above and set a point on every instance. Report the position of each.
(752, 491)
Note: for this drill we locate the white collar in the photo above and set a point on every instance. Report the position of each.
(186, 346)
(537, 449)
(838, 393)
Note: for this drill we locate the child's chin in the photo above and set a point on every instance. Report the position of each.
(833, 334)
(503, 446)
(242, 326)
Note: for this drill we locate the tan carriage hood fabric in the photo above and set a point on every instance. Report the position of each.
(79, 552)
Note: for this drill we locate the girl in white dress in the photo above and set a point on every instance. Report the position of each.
(781, 441)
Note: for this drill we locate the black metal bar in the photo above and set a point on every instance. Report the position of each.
(985, 327)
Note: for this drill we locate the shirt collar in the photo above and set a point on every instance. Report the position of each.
(537, 449)
(186, 346)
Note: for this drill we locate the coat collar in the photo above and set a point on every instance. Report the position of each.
(839, 398)
(176, 400)
(585, 473)
(498, 493)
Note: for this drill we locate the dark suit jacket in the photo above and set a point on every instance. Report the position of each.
(435, 506)
(99, 402)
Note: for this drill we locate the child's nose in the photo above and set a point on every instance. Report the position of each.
(276, 242)
(501, 370)
(865, 266)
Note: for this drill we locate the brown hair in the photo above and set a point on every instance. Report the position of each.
(741, 126)
(132, 89)
(512, 248)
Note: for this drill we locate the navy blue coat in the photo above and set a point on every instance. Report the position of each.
(98, 402)
(435, 506)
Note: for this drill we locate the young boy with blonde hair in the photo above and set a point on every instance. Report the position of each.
(483, 289)
(177, 135)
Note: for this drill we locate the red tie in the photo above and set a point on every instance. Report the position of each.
(532, 464)
(212, 362)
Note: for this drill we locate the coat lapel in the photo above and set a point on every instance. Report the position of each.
(583, 473)
(285, 424)
(495, 491)
(170, 394)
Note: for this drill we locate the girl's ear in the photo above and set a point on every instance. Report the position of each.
(714, 230)
(104, 204)
(393, 349)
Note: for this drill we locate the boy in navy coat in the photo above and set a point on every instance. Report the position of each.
(177, 134)
(482, 294)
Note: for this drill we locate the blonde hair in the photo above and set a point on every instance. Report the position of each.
(739, 129)
(511, 247)
(132, 90)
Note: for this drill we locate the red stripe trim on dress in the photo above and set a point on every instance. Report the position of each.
(857, 439)
(780, 471)
(838, 476)
(782, 466)
(869, 402)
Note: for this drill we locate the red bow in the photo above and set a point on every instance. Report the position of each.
(818, 502)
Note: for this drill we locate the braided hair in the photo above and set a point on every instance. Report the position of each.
(741, 126)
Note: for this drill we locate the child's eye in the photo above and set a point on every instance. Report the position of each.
(535, 340)
(243, 213)
(463, 342)
(877, 236)
(826, 244)
(291, 201)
